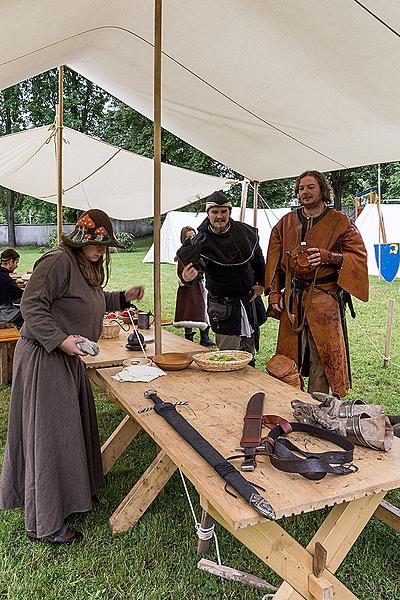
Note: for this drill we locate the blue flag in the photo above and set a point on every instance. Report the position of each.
(388, 262)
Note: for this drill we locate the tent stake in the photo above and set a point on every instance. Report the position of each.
(157, 171)
(388, 333)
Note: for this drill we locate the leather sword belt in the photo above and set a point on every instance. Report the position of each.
(302, 284)
(283, 453)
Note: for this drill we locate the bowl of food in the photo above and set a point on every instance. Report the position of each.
(173, 361)
(222, 360)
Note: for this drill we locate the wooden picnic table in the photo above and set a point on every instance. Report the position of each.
(217, 407)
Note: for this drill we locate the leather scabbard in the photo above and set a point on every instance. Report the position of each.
(252, 430)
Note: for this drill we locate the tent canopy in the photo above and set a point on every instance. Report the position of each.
(174, 221)
(368, 225)
(96, 174)
(269, 88)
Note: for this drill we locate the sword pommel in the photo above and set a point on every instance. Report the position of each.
(150, 393)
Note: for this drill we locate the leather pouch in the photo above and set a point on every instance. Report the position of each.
(218, 311)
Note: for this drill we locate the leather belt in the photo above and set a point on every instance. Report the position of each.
(314, 465)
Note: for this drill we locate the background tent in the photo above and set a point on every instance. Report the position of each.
(368, 225)
(175, 220)
(96, 174)
(268, 88)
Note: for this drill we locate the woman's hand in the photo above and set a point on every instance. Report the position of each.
(69, 345)
(134, 293)
(189, 273)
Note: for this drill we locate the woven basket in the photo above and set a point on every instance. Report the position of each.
(241, 360)
(111, 329)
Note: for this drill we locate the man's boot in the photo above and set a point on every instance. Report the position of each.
(205, 340)
(189, 334)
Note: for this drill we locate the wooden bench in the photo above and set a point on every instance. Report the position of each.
(9, 335)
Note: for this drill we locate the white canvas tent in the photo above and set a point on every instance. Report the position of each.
(175, 220)
(268, 88)
(368, 225)
(96, 174)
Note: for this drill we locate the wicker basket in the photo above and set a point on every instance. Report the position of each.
(111, 329)
(241, 360)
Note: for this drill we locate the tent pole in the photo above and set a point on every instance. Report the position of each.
(255, 203)
(59, 137)
(243, 199)
(157, 171)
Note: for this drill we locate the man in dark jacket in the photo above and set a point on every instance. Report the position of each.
(229, 253)
(9, 290)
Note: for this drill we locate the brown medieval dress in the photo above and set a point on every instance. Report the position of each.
(52, 463)
(335, 232)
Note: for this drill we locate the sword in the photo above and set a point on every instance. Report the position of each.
(252, 428)
(224, 468)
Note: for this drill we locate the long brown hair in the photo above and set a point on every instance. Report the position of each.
(93, 272)
(324, 185)
(184, 231)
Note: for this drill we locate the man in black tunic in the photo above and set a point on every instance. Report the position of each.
(10, 292)
(229, 253)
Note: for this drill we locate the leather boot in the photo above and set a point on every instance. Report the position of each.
(189, 334)
(205, 340)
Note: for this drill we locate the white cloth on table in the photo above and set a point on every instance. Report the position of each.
(138, 373)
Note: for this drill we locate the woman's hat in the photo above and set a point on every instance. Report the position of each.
(93, 227)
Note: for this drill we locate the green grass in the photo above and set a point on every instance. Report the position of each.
(157, 560)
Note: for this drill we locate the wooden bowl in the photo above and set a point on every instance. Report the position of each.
(173, 361)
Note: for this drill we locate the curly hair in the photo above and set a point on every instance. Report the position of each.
(324, 185)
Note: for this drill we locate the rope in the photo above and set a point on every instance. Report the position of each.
(373, 344)
(204, 534)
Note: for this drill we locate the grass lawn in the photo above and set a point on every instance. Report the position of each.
(156, 560)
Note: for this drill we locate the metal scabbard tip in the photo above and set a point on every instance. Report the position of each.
(262, 506)
(149, 393)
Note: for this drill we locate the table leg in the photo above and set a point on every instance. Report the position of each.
(118, 442)
(337, 534)
(389, 514)
(143, 493)
(3, 363)
(293, 563)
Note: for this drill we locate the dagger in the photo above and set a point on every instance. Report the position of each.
(224, 468)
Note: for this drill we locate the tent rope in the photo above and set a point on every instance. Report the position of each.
(373, 344)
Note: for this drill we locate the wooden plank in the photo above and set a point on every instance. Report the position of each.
(118, 441)
(320, 588)
(217, 406)
(277, 549)
(389, 514)
(142, 494)
(113, 351)
(234, 575)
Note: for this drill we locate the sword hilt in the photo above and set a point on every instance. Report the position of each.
(152, 395)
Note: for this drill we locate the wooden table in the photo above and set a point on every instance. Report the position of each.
(218, 402)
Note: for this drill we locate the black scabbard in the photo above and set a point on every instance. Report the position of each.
(224, 468)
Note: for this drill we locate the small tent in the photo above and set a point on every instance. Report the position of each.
(368, 225)
(96, 174)
(175, 220)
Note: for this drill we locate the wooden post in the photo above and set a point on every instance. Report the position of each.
(255, 204)
(157, 171)
(59, 137)
(243, 199)
(388, 333)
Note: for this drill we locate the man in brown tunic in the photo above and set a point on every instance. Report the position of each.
(307, 300)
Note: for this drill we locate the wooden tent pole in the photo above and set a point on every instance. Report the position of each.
(59, 137)
(157, 171)
(255, 203)
(243, 199)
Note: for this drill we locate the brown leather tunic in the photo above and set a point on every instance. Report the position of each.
(335, 232)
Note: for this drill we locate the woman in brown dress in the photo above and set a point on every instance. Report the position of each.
(191, 300)
(52, 463)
